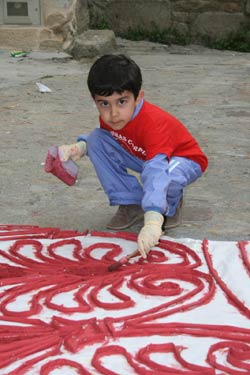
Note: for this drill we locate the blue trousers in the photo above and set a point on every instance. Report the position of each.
(111, 162)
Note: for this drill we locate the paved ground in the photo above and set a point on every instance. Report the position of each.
(208, 90)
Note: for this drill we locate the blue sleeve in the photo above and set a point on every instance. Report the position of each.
(155, 182)
(82, 137)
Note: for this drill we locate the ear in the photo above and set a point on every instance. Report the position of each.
(139, 97)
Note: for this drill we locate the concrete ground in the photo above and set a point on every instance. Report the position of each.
(208, 90)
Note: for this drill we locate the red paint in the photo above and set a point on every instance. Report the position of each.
(51, 273)
(65, 171)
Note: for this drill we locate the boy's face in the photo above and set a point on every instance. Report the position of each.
(117, 110)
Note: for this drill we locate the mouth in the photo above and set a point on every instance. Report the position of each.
(117, 123)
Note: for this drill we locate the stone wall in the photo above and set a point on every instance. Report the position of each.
(60, 19)
(196, 18)
(67, 23)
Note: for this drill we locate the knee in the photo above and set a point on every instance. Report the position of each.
(96, 139)
(101, 142)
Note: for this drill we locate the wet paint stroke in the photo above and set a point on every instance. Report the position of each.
(184, 310)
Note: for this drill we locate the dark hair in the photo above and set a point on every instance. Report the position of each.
(114, 73)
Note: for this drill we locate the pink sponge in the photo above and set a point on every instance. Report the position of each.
(66, 171)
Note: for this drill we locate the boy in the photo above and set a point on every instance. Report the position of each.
(140, 136)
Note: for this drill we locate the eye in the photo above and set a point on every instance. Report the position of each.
(104, 103)
(122, 101)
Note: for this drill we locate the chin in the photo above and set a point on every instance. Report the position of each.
(117, 126)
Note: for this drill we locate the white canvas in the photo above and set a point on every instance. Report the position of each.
(183, 311)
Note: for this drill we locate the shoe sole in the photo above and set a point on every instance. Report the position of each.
(170, 226)
(136, 220)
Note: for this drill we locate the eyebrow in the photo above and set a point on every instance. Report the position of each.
(105, 100)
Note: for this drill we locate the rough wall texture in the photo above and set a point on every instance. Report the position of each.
(64, 26)
(197, 18)
(60, 19)
(65, 20)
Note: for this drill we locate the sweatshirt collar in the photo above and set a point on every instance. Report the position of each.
(137, 109)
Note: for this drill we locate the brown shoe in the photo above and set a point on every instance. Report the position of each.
(126, 216)
(174, 221)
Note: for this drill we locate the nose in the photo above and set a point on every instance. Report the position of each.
(114, 111)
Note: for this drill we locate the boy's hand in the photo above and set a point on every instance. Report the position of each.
(74, 151)
(151, 232)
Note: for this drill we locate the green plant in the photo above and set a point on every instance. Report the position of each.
(166, 36)
(101, 25)
(234, 41)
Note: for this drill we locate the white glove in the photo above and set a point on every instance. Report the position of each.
(74, 151)
(151, 232)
